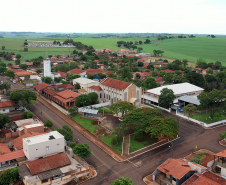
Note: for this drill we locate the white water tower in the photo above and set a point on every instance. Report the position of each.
(47, 67)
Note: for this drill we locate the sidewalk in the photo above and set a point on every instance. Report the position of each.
(149, 181)
(126, 146)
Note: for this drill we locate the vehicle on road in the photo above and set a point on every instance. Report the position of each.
(11, 79)
(14, 81)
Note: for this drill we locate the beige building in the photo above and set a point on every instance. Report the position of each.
(114, 90)
(85, 82)
(43, 145)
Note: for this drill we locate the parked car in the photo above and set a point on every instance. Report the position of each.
(14, 81)
(20, 108)
(11, 79)
(180, 110)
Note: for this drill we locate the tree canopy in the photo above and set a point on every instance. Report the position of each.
(3, 120)
(23, 97)
(166, 97)
(93, 96)
(123, 181)
(122, 107)
(10, 73)
(48, 123)
(47, 79)
(150, 83)
(83, 100)
(9, 176)
(66, 132)
(190, 109)
(82, 150)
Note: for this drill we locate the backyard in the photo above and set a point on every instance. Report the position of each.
(205, 117)
(34, 82)
(97, 130)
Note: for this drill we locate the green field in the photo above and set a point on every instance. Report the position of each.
(189, 48)
(192, 48)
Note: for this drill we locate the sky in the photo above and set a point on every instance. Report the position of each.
(117, 16)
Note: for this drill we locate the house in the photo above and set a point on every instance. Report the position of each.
(7, 107)
(62, 87)
(62, 74)
(143, 54)
(115, 90)
(151, 96)
(97, 89)
(80, 72)
(159, 80)
(176, 171)
(29, 64)
(142, 74)
(64, 98)
(219, 164)
(13, 57)
(41, 87)
(81, 91)
(207, 178)
(85, 82)
(94, 72)
(56, 169)
(163, 64)
(15, 67)
(21, 75)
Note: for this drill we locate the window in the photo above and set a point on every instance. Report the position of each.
(48, 148)
(100, 95)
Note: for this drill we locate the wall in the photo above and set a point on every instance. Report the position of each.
(37, 150)
(4, 111)
(34, 77)
(223, 171)
(96, 105)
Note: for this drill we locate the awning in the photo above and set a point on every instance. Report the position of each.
(132, 100)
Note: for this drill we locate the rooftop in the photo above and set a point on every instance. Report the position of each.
(84, 81)
(177, 88)
(221, 154)
(96, 88)
(4, 149)
(76, 71)
(62, 74)
(43, 138)
(19, 123)
(94, 71)
(41, 86)
(7, 104)
(116, 84)
(48, 163)
(12, 155)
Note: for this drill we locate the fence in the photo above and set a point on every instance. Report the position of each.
(200, 122)
(96, 106)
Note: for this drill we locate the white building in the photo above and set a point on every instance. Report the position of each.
(47, 67)
(85, 82)
(151, 96)
(43, 145)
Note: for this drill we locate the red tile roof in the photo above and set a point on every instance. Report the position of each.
(4, 149)
(66, 86)
(200, 69)
(175, 167)
(15, 66)
(29, 63)
(116, 84)
(24, 73)
(156, 65)
(163, 63)
(76, 71)
(50, 92)
(159, 79)
(41, 86)
(7, 104)
(221, 154)
(48, 163)
(66, 95)
(18, 142)
(12, 155)
(96, 88)
(53, 58)
(62, 74)
(141, 74)
(94, 71)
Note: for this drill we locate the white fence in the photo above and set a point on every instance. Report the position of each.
(200, 122)
(96, 106)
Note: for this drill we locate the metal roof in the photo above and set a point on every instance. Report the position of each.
(90, 111)
(190, 99)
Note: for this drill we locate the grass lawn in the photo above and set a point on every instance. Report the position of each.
(87, 124)
(202, 117)
(135, 145)
(34, 82)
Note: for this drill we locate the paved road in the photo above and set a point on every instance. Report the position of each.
(138, 167)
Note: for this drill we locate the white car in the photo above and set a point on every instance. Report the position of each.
(14, 81)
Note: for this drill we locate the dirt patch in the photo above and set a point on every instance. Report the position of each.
(95, 122)
(102, 132)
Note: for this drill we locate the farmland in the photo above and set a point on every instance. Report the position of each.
(189, 48)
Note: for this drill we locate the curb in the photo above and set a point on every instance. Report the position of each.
(222, 144)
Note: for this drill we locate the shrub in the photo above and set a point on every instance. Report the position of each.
(139, 136)
(48, 123)
(72, 144)
(30, 115)
(114, 141)
(25, 115)
(196, 160)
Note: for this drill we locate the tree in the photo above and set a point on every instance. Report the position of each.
(140, 42)
(150, 66)
(112, 75)
(73, 110)
(57, 79)
(83, 100)
(93, 96)
(3, 69)
(89, 76)
(3, 120)
(212, 100)
(138, 75)
(72, 144)
(168, 78)
(190, 109)
(178, 79)
(29, 115)
(201, 63)
(17, 62)
(185, 62)
(3, 47)
(126, 73)
(222, 135)
(195, 78)
(147, 41)
(23, 66)
(77, 86)
(48, 123)
(209, 70)
(66, 132)
(166, 97)
(122, 107)
(36, 63)
(139, 49)
(9, 176)
(18, 56)
(150, 83)
(140, 64)
(82, 150)
(25, 49)
(47, 79)
(38, 71)
(101, 75)
(24, 97)
(123, 181)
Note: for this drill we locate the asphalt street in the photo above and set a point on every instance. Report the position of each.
(108, 169)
